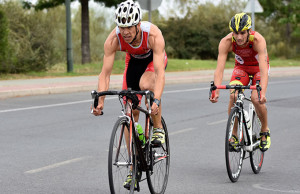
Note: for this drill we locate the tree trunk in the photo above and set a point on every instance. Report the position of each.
(85, 32)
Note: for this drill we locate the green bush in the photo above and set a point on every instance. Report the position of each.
(3, 41)
(29, 39)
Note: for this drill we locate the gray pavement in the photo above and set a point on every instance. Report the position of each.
(27, 87)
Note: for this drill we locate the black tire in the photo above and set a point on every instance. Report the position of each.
(118, 164)
(157, 177)
(234, 157)
(256, 156)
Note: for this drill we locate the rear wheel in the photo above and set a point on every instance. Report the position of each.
(256, 156)
(157, 175)
(120, 161)
(234, 154)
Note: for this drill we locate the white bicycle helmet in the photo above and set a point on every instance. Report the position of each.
(128, 14)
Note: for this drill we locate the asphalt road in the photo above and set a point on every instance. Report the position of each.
(52, 144)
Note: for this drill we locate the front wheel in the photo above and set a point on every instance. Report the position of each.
(256, 156)
(157, 175)
(120, 161)
(234, 153)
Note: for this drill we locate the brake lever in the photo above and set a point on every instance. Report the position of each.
(258, 88)
(212, 90)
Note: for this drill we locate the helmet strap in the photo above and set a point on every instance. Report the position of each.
(248, 31)
(137, 31)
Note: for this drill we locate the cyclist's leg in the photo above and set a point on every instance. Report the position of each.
(239, 77)
(148, 82)
(261, 109)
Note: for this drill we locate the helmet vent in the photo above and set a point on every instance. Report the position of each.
(123, 20)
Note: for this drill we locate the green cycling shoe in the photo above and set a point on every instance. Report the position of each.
(158, 137)
(128, 180)
(233, 143)
(265, 144)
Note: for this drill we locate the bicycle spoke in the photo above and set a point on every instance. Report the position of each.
(157, 178)
(119, 161)
(256, 156)
(234, 152)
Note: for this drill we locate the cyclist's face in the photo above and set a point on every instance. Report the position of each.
(128, 33)
(241, 37)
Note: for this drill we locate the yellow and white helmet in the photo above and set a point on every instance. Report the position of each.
(128, 14)
(240, 22)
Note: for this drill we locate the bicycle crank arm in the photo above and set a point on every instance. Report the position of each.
(122, 164)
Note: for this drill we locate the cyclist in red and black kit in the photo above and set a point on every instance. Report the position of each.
(145, 62)
(251, 58)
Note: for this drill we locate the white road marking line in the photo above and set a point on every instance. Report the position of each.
(181, 131)
(56, 165)
(258, 186)
(50, 105)
(186, 90)
(84, 101)
(217, 122)
(283, 82)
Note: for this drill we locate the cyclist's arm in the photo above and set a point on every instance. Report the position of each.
(261, 47)
(111, 45)
(224, 49)
(157, 44)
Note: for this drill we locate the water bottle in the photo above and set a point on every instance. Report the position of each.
(247, 119)
(141, 133)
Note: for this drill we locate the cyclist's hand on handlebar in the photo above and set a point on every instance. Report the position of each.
(154, 109)
(262, 99)
(98, 110)
(214, 96)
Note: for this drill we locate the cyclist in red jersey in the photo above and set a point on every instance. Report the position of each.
(251, 58)
(145, 62)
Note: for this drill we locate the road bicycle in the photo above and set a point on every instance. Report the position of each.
(127, 152)
(248, 128)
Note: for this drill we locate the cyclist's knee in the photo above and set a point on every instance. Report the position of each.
(147, 85)
(254, 98)
(147, 81)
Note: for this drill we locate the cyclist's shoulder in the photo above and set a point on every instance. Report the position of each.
(154, 31)
(258, 37)
(155, 36)
(112, 42)
(259, 42)
(226, 42)
(227, 39)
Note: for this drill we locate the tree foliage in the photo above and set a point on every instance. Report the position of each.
(30, 38)
(197, 35)
(285, 17)
(85, 33)
(3, 41)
